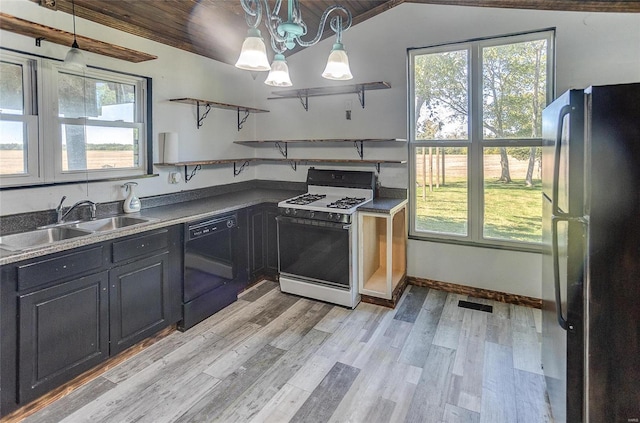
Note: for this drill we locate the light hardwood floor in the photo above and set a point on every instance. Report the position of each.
(274, 357)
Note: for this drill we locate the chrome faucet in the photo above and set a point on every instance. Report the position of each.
(61, 216)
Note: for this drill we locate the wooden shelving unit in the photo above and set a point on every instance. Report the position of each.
(303, 94)
(208, 105)
(383, 255)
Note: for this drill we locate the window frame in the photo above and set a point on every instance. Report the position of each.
(49, 125)
(31, 122)
(475, 143)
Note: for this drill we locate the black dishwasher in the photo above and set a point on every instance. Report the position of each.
(210, 268)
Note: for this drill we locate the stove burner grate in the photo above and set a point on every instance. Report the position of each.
(346, 202)
(305, 199)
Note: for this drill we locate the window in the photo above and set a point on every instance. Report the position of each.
(475, 139)
(19, 159)
(90, 125)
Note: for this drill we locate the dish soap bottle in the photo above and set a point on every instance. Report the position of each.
(132, 202)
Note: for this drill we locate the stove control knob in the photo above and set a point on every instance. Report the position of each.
(287, 211)
(230, 224)
(311, 214)
(294, 211)
(330, 216)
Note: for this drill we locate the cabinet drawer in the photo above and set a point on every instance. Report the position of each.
(140, 245)
(60, 267)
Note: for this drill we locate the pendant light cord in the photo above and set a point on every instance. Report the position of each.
(73, 11)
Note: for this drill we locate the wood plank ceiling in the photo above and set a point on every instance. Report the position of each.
(216, 28)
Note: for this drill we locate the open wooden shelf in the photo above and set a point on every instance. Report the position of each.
(382, 255)
(208, 105)
(282, 145)
(240, 164)
(320, 141)
(303, 94)
(46, 33)
(217, 105)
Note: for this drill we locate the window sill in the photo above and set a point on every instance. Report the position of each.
(119, 178)
(524, 248)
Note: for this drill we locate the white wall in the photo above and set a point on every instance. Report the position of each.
(591, 49)
(175, 74)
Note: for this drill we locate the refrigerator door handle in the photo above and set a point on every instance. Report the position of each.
(558, 216)
(564, 111)
(556, 270)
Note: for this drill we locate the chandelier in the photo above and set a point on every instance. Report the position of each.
(285, 35)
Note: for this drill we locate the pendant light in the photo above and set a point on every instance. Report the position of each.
(75, 58)
(338, 63)
(253, 56)
(279, 74)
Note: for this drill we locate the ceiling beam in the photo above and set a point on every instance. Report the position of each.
(625, 6)
(46, 33)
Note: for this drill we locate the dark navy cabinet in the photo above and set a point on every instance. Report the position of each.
(262, 242)
(63, 332)
(64, 313)
(138, 301)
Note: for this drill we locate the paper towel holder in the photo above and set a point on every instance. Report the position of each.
(170, 152)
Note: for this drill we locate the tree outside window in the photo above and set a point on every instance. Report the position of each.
(476, 136)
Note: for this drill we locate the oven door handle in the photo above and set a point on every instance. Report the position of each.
(322, 223)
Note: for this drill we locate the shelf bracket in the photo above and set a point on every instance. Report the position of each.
(283, 150)
(39, 41)
(359, 148)
(361, 96)
(294, 165)
(304, 100)
(187, 176)
(207, 109)
(238, 170)
(244, 119)
(378, 167)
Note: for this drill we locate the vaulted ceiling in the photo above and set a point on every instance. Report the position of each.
(216, 28)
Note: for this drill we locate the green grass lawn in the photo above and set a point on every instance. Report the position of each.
(512, 211)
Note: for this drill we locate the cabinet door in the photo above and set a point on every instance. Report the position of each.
(272, 238)
(139, 301)
(256, 242)
(63, 332)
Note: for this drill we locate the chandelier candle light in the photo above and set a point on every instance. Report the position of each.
(285, 36)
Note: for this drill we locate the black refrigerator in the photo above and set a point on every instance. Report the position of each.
(591, 260)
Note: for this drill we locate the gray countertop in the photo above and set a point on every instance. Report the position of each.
(177, 213)
(162, 216)
(383, 205)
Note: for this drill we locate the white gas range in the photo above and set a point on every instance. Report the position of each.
(317, 242)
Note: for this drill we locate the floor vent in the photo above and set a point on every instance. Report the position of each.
(475, 306)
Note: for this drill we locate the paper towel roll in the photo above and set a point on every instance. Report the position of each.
(171, 147)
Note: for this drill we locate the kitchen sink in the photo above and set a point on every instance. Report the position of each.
(39, 237)
(109, 223)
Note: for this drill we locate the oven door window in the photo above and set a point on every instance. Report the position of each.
(314, 251)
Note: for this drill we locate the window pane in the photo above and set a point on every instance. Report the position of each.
(95, 99)
(13, 157)
(441, 96)
(514, 89)
(513, 193)
(105, 147)
(11, 89)
(441, 190)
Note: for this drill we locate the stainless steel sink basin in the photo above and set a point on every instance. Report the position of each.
(39, 237)
(109, 223)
